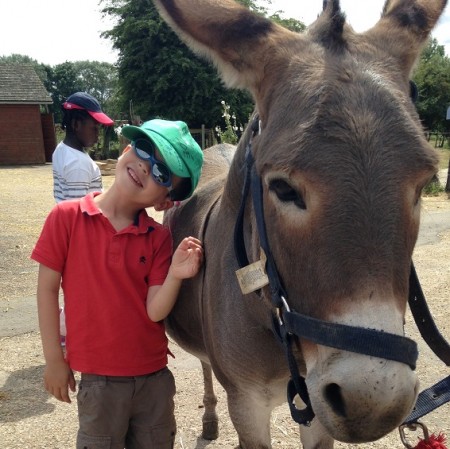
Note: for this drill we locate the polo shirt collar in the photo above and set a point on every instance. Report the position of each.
(88, 206)
(142, 222)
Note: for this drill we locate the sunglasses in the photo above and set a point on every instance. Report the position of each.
(145, 150)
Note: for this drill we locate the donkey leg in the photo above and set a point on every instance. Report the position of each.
(315, 436)
(250, 415)
(210, 418)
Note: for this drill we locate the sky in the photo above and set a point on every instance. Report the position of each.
(55, 31)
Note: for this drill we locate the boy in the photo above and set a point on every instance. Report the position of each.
(74, 172)
(119, 283)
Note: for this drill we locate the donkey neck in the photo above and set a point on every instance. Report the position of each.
(235, 180)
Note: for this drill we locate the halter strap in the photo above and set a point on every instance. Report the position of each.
(350, 338)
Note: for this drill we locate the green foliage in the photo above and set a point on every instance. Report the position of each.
(291, 24)
(229, 135)
(434, 188)
(159, 75)
(432, 77)
(96, 78)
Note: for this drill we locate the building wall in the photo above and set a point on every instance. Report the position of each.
(21, 138)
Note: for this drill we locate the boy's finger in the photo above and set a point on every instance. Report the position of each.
(64, 395)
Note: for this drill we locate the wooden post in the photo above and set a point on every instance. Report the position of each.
(203, 137)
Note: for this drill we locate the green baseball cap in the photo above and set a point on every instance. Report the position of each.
(180, 151)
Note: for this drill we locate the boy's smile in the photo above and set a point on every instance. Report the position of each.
(133, 176)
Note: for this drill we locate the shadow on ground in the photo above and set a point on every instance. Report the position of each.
(23, 395)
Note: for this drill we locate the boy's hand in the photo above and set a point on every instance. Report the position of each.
(58, 378)
(186, 261)
(187, 258)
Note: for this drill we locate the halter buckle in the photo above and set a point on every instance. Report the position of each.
(279, 310)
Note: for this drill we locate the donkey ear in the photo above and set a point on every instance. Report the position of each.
(235, 39)
(328, 29)
(405, 27)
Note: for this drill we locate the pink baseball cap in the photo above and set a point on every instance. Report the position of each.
(86, 102)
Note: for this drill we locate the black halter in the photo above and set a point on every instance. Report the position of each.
(287, 322)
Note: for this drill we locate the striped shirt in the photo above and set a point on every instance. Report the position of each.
(75, 174)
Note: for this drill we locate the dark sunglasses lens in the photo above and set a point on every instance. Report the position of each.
(160, 173)
(144, 149)
(141, 153)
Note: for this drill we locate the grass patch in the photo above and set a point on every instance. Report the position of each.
(433, 189)
(444, 158)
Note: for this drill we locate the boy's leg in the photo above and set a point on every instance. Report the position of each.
(152, 424)
(103, 411)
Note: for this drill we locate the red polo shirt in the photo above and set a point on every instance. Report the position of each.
(105, 279)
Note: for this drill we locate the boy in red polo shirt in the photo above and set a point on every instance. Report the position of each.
(120, 280)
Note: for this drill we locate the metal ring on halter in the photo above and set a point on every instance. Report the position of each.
(413, 427)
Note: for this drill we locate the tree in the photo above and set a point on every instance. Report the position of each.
(432, 77)
(96, 78)
(63, 83)
(160, 76)
(291, 24)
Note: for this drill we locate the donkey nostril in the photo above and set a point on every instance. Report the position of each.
(334, 397)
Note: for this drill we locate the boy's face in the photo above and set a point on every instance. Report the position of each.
(134, 174)
(86, 131)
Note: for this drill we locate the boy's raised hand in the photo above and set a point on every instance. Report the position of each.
(187, 258)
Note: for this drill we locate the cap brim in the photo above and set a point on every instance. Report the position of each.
(169, 154)
(132, 132)
(101, 117)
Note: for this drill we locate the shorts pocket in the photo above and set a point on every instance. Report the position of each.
(88, 388)
(89, 442)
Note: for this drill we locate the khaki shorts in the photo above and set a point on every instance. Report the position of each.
(126, 412)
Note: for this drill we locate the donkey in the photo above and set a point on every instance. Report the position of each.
(340, 160)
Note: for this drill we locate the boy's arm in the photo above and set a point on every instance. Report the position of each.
(58, 376)
(185, 264)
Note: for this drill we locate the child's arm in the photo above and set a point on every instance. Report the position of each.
(185, 264)
(58, 377)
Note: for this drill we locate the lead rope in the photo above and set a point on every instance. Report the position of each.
(438, 394)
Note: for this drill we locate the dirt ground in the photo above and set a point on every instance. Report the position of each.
(30, 418)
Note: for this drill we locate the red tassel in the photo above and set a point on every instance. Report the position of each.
(432, 442)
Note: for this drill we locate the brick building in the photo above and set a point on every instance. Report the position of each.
(27, 132)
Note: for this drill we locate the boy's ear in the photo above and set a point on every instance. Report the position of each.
(74, 123)
(167, 204)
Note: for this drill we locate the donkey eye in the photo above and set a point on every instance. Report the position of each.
(286, 193)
